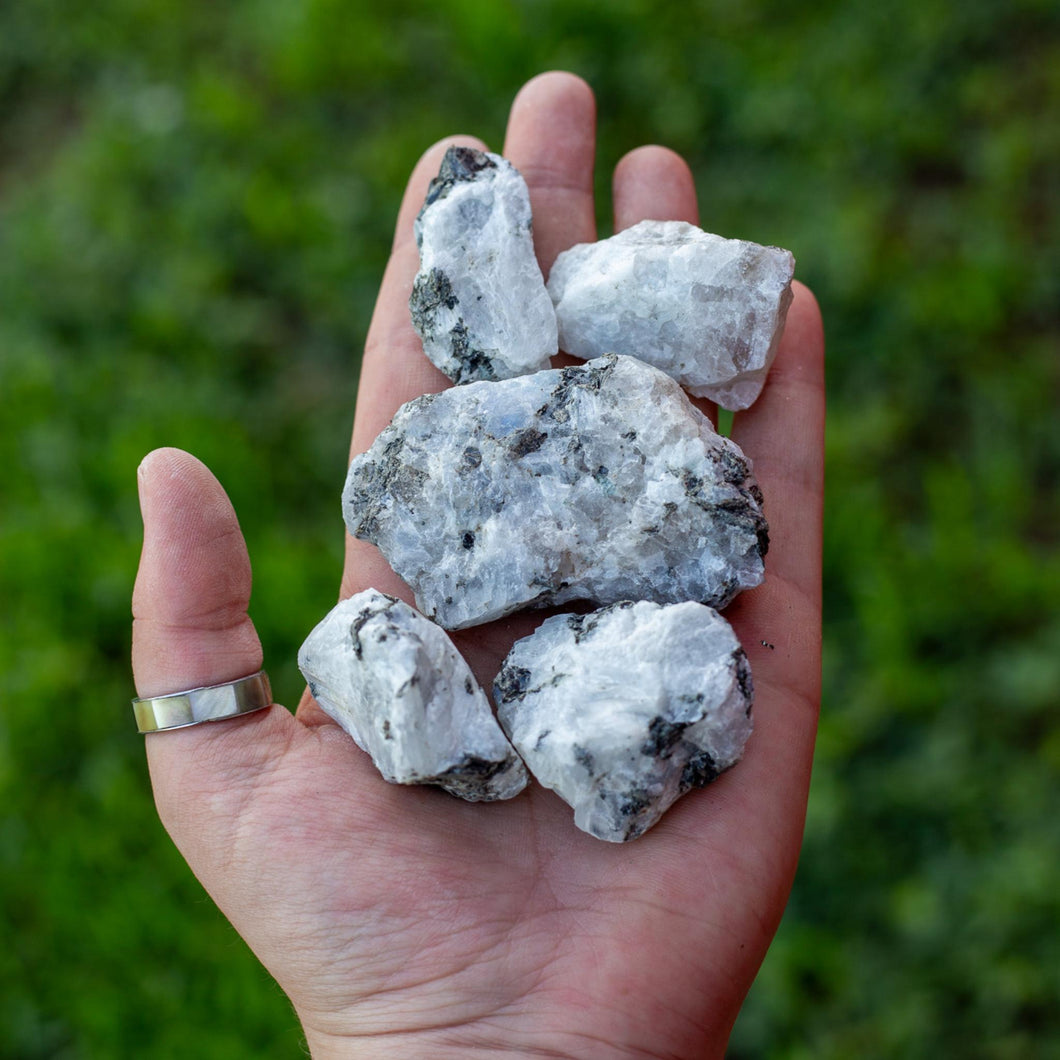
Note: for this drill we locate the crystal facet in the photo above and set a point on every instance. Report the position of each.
(706, 310)
(479, 301)
(395, 682)
(600, 482)
(623, 710)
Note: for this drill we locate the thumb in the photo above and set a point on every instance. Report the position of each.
(190, 622)
(191, 628)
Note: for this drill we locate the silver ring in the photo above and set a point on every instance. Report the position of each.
(210, 703)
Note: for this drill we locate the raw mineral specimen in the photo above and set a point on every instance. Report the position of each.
(395, 682)
(600, 482)
(479, 301)
(706, 310)
(623, 710)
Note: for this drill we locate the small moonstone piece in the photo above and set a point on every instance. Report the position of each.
(479, 301)
(706, 310)
(624, 710)
(394, 681)
(600, 482)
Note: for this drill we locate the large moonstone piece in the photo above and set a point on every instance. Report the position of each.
(623, 710)
(395, 682)
(706, 310)
(479, 301)
(599, 482)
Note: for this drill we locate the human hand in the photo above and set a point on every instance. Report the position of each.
(402, 922)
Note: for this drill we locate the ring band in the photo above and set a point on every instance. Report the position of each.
(211, 703)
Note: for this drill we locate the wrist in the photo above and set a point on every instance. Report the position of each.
(458, 1043)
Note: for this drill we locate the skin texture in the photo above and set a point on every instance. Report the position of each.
(405, 923)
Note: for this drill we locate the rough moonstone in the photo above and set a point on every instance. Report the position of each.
(479, 301)
(623, 710)
(600, 482)
(706, 310)
(395, 682)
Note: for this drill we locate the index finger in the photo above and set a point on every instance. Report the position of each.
(394, 369)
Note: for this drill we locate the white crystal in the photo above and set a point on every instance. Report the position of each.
(706, 310)
(623, 710)
(600, 482)
(479, 301)
(395, 682)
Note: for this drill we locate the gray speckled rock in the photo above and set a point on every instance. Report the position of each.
(395, 682)
(623, 710)
(600, 482)
(706, 310)
(479, 301)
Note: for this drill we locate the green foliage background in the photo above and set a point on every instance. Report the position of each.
(195, 207)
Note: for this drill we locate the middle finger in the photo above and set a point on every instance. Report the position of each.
(551, 140)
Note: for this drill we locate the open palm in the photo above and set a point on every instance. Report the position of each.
(403, 922)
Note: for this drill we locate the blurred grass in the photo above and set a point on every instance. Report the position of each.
(195, 208)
